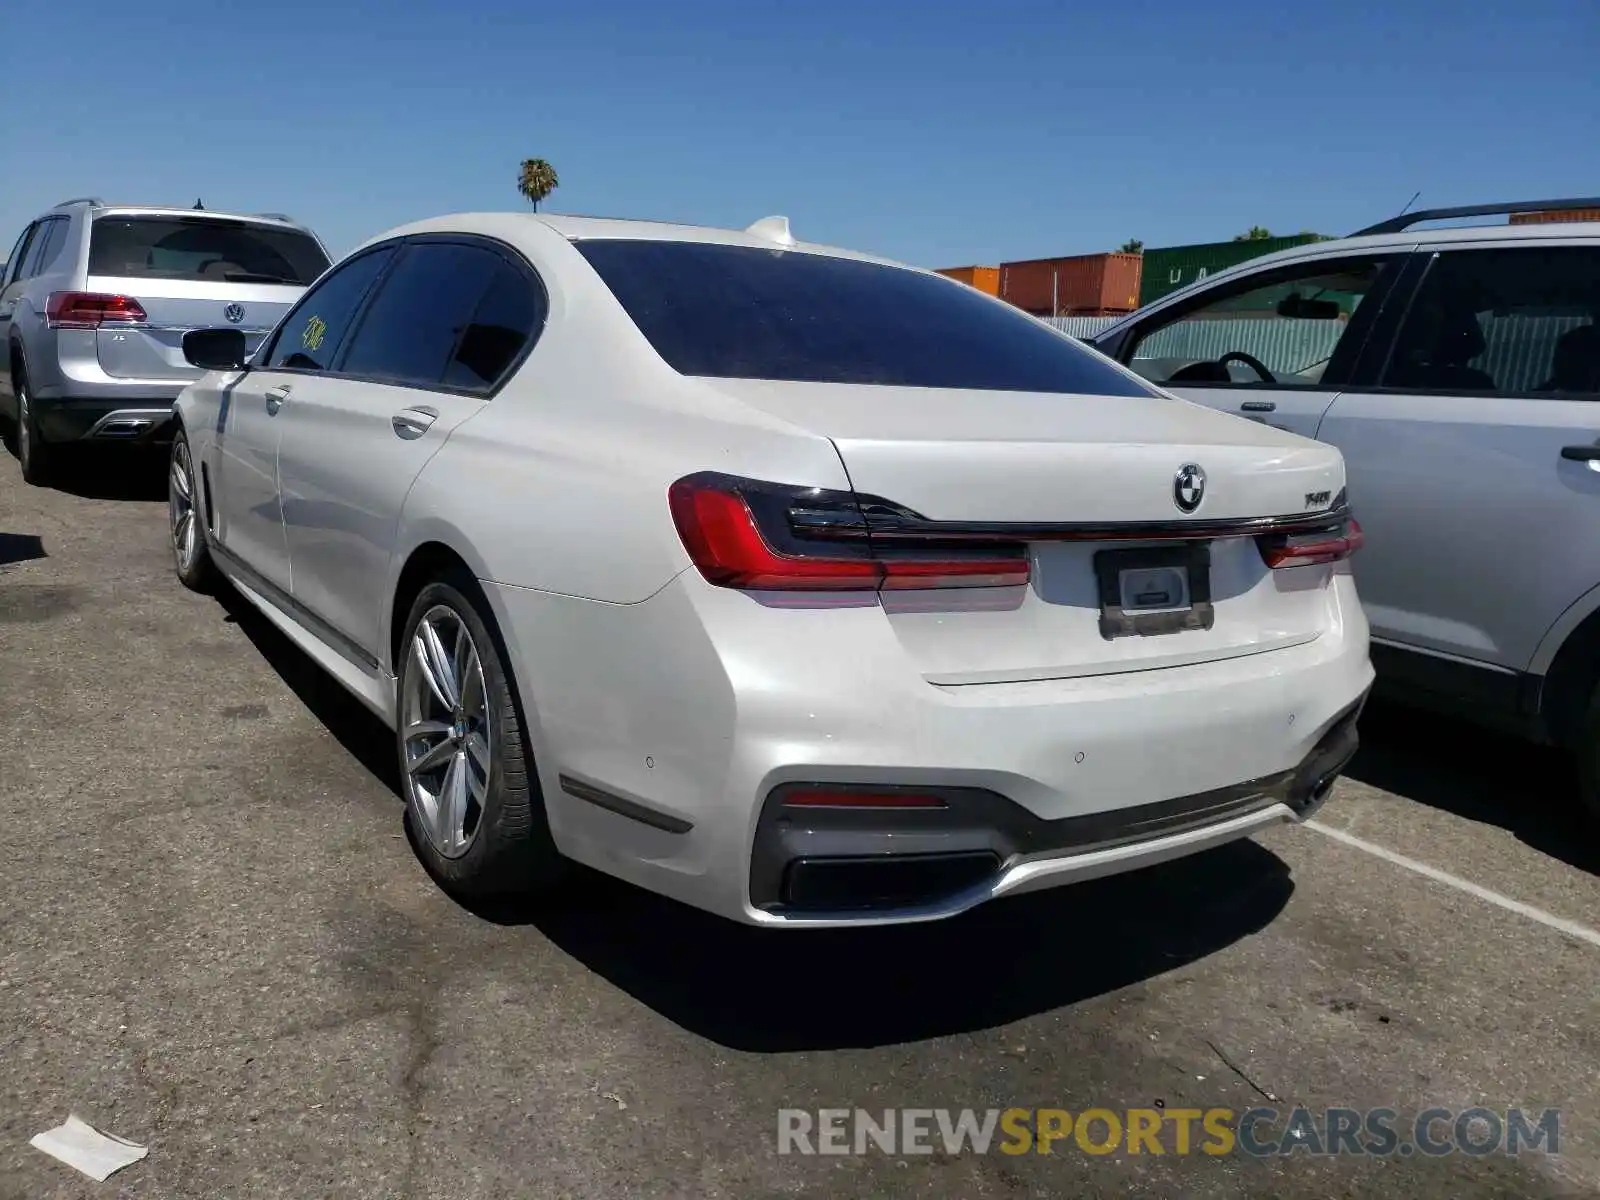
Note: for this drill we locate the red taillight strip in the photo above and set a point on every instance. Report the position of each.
(747, 534)
(820, 797)
(894, 529)
(904, 573)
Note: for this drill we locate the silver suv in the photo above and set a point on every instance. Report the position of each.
(1458, 369)
(95, 300)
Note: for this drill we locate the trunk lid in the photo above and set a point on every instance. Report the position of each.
(189, 270)
(1009, 458)
(154, 349)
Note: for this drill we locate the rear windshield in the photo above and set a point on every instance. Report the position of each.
(741, 312)
(203, 248)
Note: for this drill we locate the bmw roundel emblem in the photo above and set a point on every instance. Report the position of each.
(234, 313)
(1189, 487)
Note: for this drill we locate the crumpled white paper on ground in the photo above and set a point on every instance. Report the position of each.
(82, 1146)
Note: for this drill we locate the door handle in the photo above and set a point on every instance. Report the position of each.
(1259, 406)
(411, 423)
(275, 398)
(1583, 454)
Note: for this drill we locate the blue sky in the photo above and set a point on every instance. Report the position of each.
(940, 132)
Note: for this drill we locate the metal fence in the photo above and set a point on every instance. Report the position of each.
(1519, 348)
(1080, 327)
(1282, 345)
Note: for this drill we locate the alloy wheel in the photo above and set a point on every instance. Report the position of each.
(181, 508)
(445, 731)
(24, 426)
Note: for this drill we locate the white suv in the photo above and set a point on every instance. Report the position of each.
(1458, 370)
(95, 302)
(799, 585)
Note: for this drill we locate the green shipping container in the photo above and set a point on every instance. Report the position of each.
(1171, 267)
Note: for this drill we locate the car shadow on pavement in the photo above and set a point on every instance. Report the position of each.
(114, 473)
(20, 548)
(1531, 791)
(766, 990)
(770, 991)
(363, 736)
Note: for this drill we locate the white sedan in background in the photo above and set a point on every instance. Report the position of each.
(799, 585)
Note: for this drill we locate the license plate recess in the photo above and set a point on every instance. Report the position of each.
(1151, 590)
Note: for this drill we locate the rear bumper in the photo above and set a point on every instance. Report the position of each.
(832, 863)
(663, 730)
(105, 419)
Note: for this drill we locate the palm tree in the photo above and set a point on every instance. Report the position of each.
(537, 180)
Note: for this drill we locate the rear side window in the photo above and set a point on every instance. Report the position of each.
(410, 332)
(1523, 322)
(18, 253)
(51, 242)
(32, 242)
(751, 313)
(312, 333)
(212, 248)
(510, 316)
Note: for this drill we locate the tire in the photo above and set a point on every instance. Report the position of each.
(185, 523)
(37, 457)
(476, 813)
(1587, 749)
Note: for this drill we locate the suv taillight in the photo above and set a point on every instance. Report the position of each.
(739, 533)
(1308, 549)
(90, 310)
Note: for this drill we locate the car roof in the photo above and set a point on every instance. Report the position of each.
(102, 209)
(1467, 233)
(509, 225)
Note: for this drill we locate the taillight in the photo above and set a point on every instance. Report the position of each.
(90, 310)
(1308, 549)
(740, 534)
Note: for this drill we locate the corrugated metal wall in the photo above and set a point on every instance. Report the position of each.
(1521, 348)
(1518, 353)
(1556, 216)
(1282, 345)
(1278, 343)
(1080, 283)
(1081, 327)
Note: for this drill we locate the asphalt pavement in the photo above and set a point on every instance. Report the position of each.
(216, 940)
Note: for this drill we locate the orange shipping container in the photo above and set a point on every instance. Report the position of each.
(1082, 285)
(1553, 217)
(985, 279)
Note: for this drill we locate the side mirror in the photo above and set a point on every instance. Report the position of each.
(215, 349)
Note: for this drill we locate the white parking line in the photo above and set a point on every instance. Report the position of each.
(1571, 928)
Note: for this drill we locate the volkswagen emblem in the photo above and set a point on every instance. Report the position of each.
(234, 313)
(1188, 487)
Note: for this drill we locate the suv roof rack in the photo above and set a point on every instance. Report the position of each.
(93, 201)
(1407, 220)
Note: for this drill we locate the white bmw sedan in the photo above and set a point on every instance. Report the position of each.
(802, 586)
